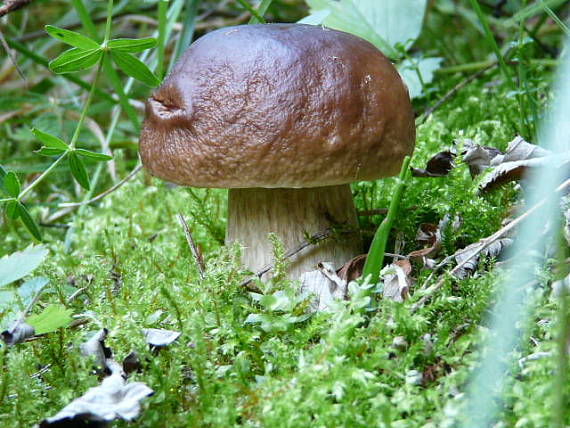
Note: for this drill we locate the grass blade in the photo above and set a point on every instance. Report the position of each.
(375, 257)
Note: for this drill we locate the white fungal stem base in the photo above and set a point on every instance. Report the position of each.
(293, 215)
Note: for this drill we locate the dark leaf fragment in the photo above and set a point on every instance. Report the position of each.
(438, 166)
(352, 270)
(95, 347)
(17, 332)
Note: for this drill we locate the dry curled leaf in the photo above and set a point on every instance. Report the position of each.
(519, 150)
(472, 253)
(159, 338)
(352, 270)
(397, 282)
(113, 399)
(438, 166)
(478, 157)
(516, 170)
(323, 287)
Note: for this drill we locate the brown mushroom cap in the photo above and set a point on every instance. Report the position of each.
(278, 105)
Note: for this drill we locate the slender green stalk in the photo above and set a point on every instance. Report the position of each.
(41, 177)
(108, 22)
(479, 65)
(86, 107)
(110, 72)
(491, 40)
(522, 82)
(73, 138)
(375, 258)
(85, 17)
(555, 18)
(161, 42)
(263, 6)
(188, 27)
(251, 10)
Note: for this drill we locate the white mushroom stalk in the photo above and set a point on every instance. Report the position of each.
(293, 215)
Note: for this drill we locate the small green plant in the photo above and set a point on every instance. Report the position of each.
(85, 53)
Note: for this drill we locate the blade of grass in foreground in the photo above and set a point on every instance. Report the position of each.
(486, 385)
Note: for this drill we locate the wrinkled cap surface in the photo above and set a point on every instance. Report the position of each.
(278, 105)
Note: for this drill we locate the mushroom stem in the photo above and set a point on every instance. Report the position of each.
(293, 214)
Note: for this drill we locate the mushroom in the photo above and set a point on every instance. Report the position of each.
(285, 116)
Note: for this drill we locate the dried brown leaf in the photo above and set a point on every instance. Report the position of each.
(113, 399)
(397, 281)
(473, 252)
(438, 166)
(478, 157)
(352, 270)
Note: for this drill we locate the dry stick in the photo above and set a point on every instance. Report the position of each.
(484, 244)
(314, 239)
(454, 90)
(195, 252)
(13, 59)
(12, 5)
(106, 192)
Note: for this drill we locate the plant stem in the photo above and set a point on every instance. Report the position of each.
(375, 258)
(73, 138)
(110, 72)
(251, 10)
(474, 66)
(84, 17)
(41, 177)
(161, 42)
(491, 40)
(86, 106)
(188, 26)
(108, 22)
(263, 6)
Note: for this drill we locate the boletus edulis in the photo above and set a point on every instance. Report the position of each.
(285, 116)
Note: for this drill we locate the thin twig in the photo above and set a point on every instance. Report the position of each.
(12, 58)
(12, 5)
(484, 244)
(105, 193)
(195, 252)
(313, 240)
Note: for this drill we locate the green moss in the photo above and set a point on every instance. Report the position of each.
(131, 257)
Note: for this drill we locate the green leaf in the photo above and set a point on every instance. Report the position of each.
(12, 184)
(50, 141)
(383, 23)
(29, 222)
(45, 151)
(19, 264)
(131, 66)
(93, 155)
(12, 211)
(71, 38)
(75, 60)
(50, 319)
(131, 45)
(78, 170)
(411, 72)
